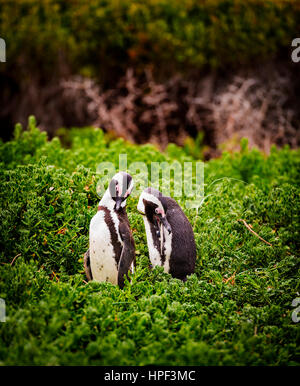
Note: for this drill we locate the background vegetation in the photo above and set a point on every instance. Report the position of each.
(154, 71)
(236, 308)
(109, 35)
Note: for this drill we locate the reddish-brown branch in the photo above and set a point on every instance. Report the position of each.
(251, 230)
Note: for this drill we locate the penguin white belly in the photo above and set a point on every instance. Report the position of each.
(168, 249)
(154, 254)
(165, 244)
(103, 264)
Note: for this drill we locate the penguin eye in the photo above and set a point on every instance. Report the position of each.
(156, 210)
(117, 188)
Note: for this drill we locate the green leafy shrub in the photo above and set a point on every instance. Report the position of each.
(99, 36)
(234, 310)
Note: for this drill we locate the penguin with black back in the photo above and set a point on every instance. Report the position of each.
(111, 253)
(170, 236)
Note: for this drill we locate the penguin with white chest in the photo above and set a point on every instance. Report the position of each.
(170, 236)
(111, 253)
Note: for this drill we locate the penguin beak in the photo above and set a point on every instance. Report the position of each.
(118, 203)
(166, 224)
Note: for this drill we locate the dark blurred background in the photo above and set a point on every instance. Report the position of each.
(154, 71)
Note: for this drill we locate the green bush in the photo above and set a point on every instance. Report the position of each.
(100, 36)
(236, 308)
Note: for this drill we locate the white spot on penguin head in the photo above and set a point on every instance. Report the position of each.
(120, 187)
(150, 205)
(150, 196)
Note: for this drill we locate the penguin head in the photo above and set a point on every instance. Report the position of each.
(120, 187)
(150, 205)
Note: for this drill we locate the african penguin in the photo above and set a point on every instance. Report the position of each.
(111, 251)
(170, 236)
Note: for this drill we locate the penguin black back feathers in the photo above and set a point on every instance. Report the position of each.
(170, 236)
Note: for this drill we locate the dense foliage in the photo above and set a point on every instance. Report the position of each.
(99, 35)
(236, 308)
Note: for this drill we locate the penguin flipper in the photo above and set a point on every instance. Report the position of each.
(127, 255)
(87, 265)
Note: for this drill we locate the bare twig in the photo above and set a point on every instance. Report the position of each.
(251, 230)
(13, 260)
(54, 275)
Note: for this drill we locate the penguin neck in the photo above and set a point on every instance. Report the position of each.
(107, 201)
